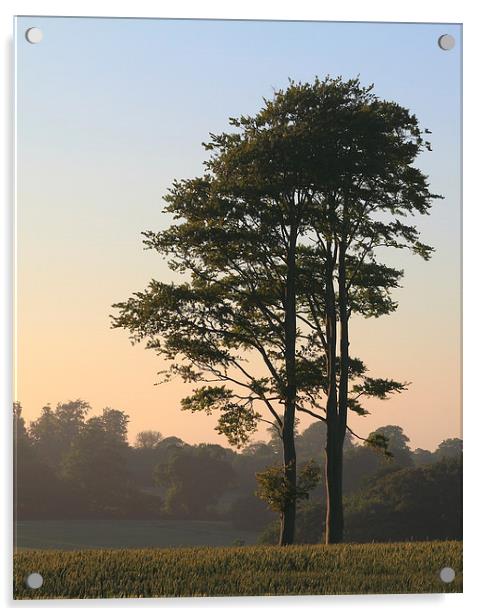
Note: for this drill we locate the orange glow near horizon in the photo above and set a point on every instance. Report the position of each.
(67, 350)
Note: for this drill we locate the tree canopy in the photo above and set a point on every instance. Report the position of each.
(278, 244)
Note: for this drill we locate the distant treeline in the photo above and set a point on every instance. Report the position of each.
(71, 466)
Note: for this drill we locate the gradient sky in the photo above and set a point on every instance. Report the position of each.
(110, 111)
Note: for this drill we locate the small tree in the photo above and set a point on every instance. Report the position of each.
(279, 493)
(148, 439)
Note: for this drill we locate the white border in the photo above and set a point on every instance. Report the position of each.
(350, 10)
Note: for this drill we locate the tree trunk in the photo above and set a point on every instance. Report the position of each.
(288, 516)
(334, 444)
(287, 532)
(344, 346)
(334, 486)
(336, 428)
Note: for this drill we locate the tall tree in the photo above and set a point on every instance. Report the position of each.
(239, 304)
(54, 431)
(35, 485)
(364, 186)
(96, 461)
(279, 241)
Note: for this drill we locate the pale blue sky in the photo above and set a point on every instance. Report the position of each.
(110, 111)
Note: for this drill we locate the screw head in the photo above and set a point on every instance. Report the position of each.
(446, 42)
(34, 35)
(34, 581)
(447, 575)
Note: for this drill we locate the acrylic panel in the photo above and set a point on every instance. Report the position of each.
(237, 340)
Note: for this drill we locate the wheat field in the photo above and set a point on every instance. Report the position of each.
(253, 570)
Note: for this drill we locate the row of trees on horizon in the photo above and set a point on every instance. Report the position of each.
(70, 465)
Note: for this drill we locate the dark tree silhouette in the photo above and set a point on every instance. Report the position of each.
(195, 478)
(421, 503)
(34, 482)
(96, 461)
(422, 456)
(449, 448)
(148, 439)
(280, 240)
(55, 429)
(354, 159)
(102, 476)
(396, 444)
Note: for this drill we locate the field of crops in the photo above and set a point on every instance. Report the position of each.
(251, 570)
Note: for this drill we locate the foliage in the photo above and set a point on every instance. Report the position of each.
(414, 503)
(379, 442)
(68, 465)
(449, 448)
(34, 482)
(394, 504)
(96, 461)
(309, 525)
(56, 428)
(422, 456)
(326, 162)
(393, 443)
(278, 241)
(195, 478)
(277, 492)
(98, 474)
(148, 439)
(253, 458)
(236, 421)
